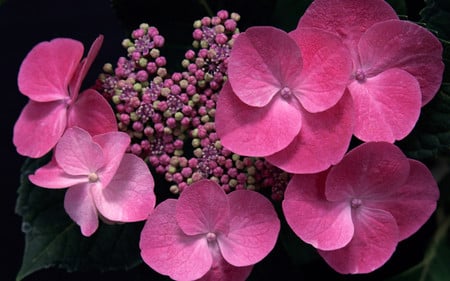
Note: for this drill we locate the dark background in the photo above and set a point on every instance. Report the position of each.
(24, 23)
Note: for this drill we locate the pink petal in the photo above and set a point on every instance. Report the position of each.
(221, 270)
(327, 67)
(387, 106)
(322, 142)
(84, 66)
(39, 127)
(52, 176)
(167, 250)
(405, 45)
(77, 154)
(256, 131)
(264, 60)
(203, 207)
(373, 243)
(367, 172)
(129, 195)
(412, 203)
(254, 228)
(46, 71)
(323, 224)
(114, 146)
(80, 207)
(93, 113)
(347, 18)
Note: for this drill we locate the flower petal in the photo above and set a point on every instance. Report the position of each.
(93, 113)
(368, 172)
(254, 228)
(167, 250)
(404, 45)
(77, 154)
(52, 176)
(322, 141)
(412, 203)
(203, 207)
(39, 127)
(387, 106)
(46, 71)
(256, 131)
(84, 66)
(129, 195)
(327, 67)
(373, 243)
(347, 18)
(263, 61)
(323, 224)
(80, 207)
(221, 270)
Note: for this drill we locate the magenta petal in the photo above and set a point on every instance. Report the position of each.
(203, 207)
(92, 112)
(327, 67)
(373, 243)
(254, 228)
(129, 195)
(387, 106)
(347, 18)
(167, 250)
(221, 270)
(323, 224)
(322, 142)
(404, 45)
(39, 127)
(52, 176)
(84, 66)
(77, 154)
(369, 171)
(46, 71)
(80, 207)
(256, 131)
(412, 203)
(264, 60)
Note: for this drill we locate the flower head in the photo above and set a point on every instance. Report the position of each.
(51, 76)
(206, 231)
(397, 65)
(102, 180)
(356, 212)
(286, 98)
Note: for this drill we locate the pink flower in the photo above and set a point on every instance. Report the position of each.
(102, 179)
(285, 98)
(397, 65)
(51, 76)
(208, 234)
(356, 212)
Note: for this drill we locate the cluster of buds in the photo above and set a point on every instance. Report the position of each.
(170, 118)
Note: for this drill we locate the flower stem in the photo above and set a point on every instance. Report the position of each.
(206, 6)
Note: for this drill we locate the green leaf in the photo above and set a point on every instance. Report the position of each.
(436, 15)
(288, 12)
(52, 239)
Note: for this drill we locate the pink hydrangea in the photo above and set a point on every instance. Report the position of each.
(51, 76)
(356, 212)
(102, 179)
(286, 98)
(397, 64)
(209, 235)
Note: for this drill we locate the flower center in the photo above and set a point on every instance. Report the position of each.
(355, 203)
(93, 177)
(211, 236)
(286, 93)
(360, 76)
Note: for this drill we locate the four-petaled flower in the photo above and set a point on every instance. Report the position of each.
(286, 98)
(356, 212)
(51, 76)
(209, 232)
(102, 179)
(397, 64)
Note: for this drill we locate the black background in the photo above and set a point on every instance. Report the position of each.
(23, 24)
